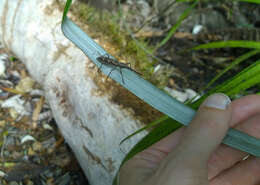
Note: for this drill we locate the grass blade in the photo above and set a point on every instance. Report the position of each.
(173, 29)
(163, 129)
(247, 78)
(229, 44)
(250, 1)
(133, 82)
(66, 9)
(150, 125)
(234, 63)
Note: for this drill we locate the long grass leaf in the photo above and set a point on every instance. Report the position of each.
(249, 82)
(229, 44)
(166, 127)
(66, 9)
(250, 1)
(236, 84)
(245, 79)
(242, 81)
(132, 81)
(150, 125)
(247, 1)
(233, 64)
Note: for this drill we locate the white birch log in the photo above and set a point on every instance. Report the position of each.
(90, 122)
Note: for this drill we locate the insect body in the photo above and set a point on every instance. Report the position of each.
(106, 60)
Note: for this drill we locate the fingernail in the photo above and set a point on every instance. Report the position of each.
(218, 101)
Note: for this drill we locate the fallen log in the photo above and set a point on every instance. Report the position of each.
(93, 114)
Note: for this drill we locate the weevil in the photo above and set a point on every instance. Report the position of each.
(106, 60)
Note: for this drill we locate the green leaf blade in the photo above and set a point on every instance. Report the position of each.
(229, 44)
(173, 29)
(233, 64)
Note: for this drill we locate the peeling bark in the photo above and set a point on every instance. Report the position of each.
(82, 103)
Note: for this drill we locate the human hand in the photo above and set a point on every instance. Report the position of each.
(194, 155)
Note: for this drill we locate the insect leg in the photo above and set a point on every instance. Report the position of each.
(122, 75)
(100, 67)
(110, 72)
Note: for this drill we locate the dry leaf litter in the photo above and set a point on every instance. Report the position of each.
(32, 151)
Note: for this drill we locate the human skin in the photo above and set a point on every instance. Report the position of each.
(194, 155)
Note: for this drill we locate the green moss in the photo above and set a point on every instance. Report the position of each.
(105, 25)
(12, 59)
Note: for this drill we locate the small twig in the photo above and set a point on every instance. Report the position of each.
(37, 111)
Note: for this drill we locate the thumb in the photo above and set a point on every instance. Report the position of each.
(187, 163)
(208, 128)
(205, 132)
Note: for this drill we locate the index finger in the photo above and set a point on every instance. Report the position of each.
(244, 110)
